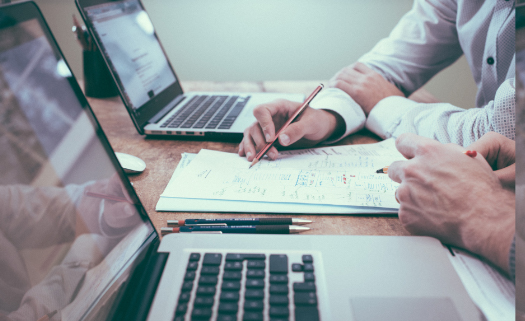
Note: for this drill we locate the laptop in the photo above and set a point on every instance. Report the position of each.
(77, 244)
(149, 86)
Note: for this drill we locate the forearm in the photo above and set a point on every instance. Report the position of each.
(35, 211)
(443, 122)
(424, 42)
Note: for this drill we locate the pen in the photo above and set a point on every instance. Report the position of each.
(248, 229)
(299, 110)
(470, 153)
(108, 197)
(239, 221)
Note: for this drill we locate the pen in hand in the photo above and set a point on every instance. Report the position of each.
(299, 110)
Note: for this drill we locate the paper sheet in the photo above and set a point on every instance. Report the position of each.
(342, 175)
(493, 293)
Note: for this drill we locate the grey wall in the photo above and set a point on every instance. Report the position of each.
(235, 40)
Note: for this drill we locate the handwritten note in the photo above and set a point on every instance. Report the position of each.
(335, 175)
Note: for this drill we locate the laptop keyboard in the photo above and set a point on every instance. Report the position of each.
(247, 287)
(208, 112)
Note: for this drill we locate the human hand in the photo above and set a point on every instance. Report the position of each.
(310, 128)
(500, 153)
(453, 197)
(364, 85)
(115, 214)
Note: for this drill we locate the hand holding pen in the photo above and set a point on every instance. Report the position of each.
(310, 127)
(292, 118)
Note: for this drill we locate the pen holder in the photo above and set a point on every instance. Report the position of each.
(98, 82)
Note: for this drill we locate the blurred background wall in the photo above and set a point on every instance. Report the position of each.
(255, 40)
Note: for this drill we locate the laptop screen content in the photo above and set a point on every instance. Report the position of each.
(70, 224)
(128, 38)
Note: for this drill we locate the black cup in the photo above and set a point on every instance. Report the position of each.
(98, 82)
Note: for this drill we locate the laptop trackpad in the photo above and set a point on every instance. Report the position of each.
(404, 309)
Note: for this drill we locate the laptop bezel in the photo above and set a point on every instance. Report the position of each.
(142, 115)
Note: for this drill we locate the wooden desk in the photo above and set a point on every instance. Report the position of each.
(162, 156)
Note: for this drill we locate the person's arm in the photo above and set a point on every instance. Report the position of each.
(29, 213)
(455, 198)
(424, 42)
(443, 122)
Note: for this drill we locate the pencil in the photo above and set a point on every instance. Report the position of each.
(299, 110)
(471, 153)
(108, 197)
(383, 170)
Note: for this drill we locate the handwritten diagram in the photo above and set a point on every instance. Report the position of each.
(304, 178)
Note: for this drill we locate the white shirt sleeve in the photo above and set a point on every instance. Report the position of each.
(338, 101)
(444, 122)
(424, 42)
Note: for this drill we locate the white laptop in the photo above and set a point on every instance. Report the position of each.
(147, 82)
(77, 244)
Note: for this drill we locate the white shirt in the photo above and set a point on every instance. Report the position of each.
(429, 38)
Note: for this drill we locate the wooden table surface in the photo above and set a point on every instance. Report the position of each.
(162, 156)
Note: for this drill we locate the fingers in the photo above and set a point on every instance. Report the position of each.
(119, 215)
(293, 133)
(247, 146)
(498, 150)
(268, 114)
(507, 176)
(115, 187)
(396, 171)
(346, 80)
(410, 145)
(362, 68)
(253, 141)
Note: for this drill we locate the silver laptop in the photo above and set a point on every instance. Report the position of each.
(77, 244)
(147, 82)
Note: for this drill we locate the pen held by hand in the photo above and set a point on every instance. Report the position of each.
(299, 110)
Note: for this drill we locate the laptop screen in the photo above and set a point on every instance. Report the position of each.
(134, 53)
(70, 222)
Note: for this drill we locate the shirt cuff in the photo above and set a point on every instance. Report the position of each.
(336, 100)
(386, 115)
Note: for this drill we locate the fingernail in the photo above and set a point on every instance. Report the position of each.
(240, 148)
(285, 140)
(248, 155)
(273, 155)
(267, 137)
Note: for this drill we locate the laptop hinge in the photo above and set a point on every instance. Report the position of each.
(135, 302)
(158, 116)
